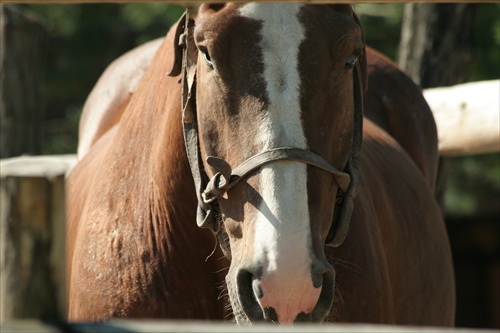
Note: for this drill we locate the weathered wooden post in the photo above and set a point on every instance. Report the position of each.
(32, 237)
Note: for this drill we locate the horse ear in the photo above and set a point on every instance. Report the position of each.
(179, 30)
(180, 43)
(362, 61)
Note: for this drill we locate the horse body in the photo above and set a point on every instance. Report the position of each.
(393, 251)
(135, 251)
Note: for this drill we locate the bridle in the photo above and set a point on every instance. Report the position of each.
(209, 190)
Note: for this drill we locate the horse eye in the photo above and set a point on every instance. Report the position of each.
(207, 57)
(353, 59)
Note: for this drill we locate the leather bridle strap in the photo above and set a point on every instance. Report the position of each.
(226, 178)
(209, 190)
(205, 214)
(344, 203)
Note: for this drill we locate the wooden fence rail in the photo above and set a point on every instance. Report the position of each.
(467, 117)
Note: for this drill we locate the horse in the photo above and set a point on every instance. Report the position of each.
(317, 190)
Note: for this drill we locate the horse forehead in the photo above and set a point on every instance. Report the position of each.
(275, 19)
(279, 21)
(276, 12)
(281, 27)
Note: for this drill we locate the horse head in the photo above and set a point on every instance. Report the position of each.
(272, 113)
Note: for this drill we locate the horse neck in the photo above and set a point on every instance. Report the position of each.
(154, 152)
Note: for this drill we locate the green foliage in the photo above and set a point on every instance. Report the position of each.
(381, 26)
(152, 17)
(82, 41)
(488, 42)
(473, 185)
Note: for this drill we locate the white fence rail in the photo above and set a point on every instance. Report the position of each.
(467, 117)
(150, 326)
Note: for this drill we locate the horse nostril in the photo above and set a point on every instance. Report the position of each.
(249, 292)
(252, 296)
(317, 279)
(302, 317)
(269, 313)
(325, 301)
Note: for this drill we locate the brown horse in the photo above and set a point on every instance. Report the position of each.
(267, 144)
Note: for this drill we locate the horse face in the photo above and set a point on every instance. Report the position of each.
(268, 76)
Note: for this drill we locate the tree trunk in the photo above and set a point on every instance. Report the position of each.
(437, 43)
(21, 68)
(437, 49)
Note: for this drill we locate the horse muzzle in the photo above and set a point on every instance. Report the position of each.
(257, 296)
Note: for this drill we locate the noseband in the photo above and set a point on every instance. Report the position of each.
(209, 190)
(227, 178)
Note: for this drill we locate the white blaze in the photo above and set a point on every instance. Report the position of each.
(282, 231)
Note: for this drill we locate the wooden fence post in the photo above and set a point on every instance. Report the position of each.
(32, 237)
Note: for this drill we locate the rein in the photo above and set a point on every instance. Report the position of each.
(209, 190)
